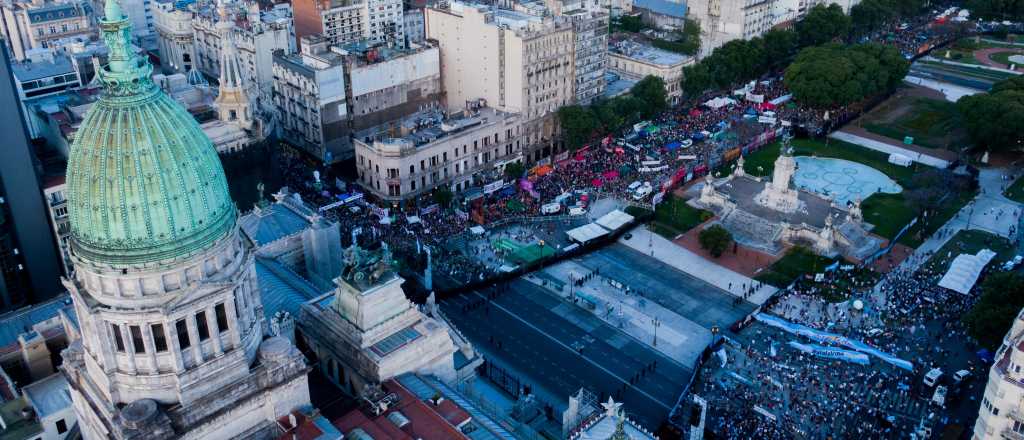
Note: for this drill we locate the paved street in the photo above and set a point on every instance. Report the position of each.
(559, 348)
(690, 297)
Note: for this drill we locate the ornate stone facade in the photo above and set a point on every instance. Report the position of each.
(164, 286)
(367, 331)
(769, 215)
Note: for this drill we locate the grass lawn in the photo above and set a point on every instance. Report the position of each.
(924, 229)
(931, 122)
(1004, 57)
(673, 217)
(1016, 191)
(765, 158)
(798, 261)
(969, 242)
(888, 212)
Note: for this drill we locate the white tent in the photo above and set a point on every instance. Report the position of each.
(719, 102)
(478, 230)
(964, 271)
(614, 220)
(586, 233)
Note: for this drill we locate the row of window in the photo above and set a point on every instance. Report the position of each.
(138, 345)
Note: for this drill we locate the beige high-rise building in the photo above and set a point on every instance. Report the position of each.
(722, 21)
(517, 62)
(1002, 406)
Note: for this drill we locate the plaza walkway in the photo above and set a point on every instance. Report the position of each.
(888, 148)
(990, 211)
(662, 249)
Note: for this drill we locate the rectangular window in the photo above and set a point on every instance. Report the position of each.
(118, 339)
(137, 343)
(182, 328)
(222, 316)
(62, 426)
(202, 326)
(159, 339)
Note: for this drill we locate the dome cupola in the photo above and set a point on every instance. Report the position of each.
(144, 182)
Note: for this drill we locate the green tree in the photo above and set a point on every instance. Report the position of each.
(715, 240)
(997, 9)
(779, 47)
(822, 24)
(629, 23)
(869, 15)
(994, 119)
(651, 91)
(697, 79)
(514, 170)
(443, 196)
(1001, 300)
(579, 125)
(832, 74)
(1014, 83)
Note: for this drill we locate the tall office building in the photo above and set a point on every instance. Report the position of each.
(517, 62)
(164, 287)
(29, 265)
(343, 22)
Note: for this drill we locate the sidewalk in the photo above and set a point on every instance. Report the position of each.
(889, 149)
(678, 257)
(982, 213)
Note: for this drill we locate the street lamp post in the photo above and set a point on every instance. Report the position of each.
(657, 323)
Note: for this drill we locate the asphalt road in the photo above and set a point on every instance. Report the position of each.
(561, 348)
(686, 295)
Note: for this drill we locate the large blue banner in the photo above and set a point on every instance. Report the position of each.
(832, 353)
(832, 338)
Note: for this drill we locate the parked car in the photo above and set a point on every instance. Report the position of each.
(932, 377)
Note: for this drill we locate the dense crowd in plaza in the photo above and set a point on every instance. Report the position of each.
(808, 398)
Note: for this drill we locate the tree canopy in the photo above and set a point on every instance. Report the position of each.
(832, 74)
(997, 9)
(651, 91)
(868, 15)
(994, 119)
(1001, 299)
(715, 240)
(581, 124)
(823, 24)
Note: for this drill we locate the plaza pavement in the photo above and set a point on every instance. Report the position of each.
(982, 213)
(647, 242)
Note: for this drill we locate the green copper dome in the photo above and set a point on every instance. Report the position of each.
(144, 182)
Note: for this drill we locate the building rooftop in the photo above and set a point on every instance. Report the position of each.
(55, 12)
(19, 321)
(481, 426)
(282, 289)
(270, 223)
(647, 53)
(48, 395)
(663, 7)
(33, 70)
(428, 126)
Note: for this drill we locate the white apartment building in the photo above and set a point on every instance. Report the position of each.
(327, 92)
(188, 38)
(635, 61)
(257, 34)
(1002, 406)
(590, 56)
(172, 22)
(722, 21)
(466, 150)
(517, 62)
(40, 24)
(348, 21)
(309, 96)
